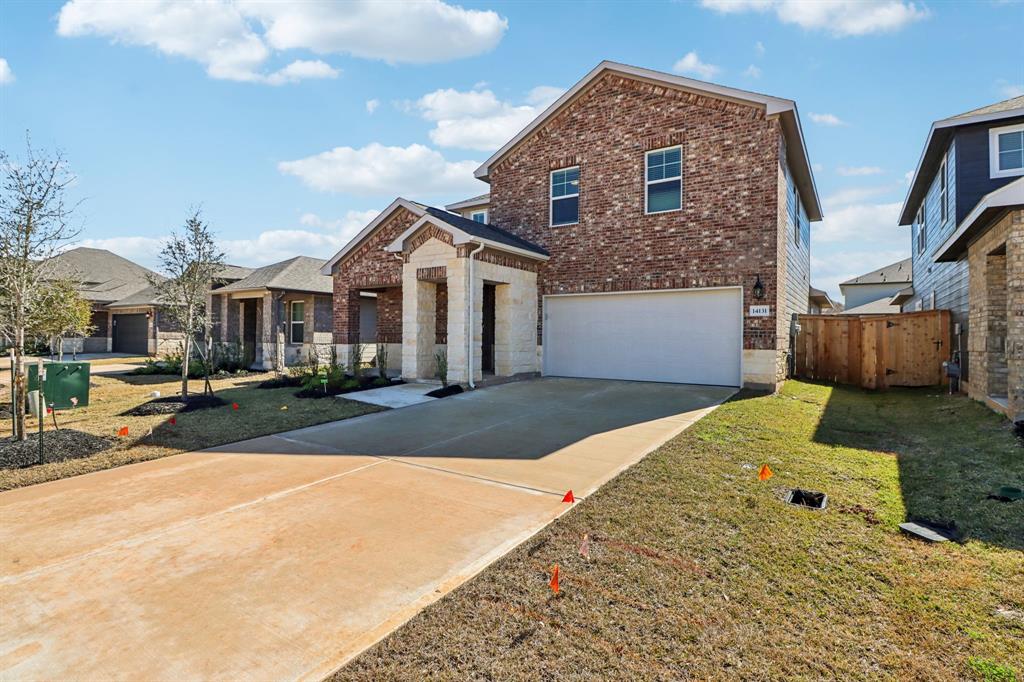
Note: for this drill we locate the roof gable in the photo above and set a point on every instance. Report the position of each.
(786, 109)
(382, 217)
(464, 230)
(900, 272)
(301, 273)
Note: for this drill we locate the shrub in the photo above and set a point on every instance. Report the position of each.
(441, 357)
(355, 358)
(382, 360)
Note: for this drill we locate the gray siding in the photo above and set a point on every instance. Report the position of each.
(798, 256)
(947, 280)
(972, 171)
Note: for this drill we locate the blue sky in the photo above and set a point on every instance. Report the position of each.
(292, 124)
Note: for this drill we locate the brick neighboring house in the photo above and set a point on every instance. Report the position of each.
(625, 234)
(966, 209)
(286, 303)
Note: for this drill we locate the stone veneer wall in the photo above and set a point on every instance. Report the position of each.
(727, 232)
(996, 293)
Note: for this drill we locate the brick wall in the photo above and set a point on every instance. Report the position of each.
(389, 315)
(368, 266)
(726, 232)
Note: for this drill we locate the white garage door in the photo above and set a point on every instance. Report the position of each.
(689, 337)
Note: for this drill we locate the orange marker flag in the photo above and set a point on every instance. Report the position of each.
(234, 406)
(122, 432)
(764, 473)
(554, 579)
(569, 497)
(172, 421)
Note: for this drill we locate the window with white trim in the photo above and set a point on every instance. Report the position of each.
(922, 233)
(565, 196)
(297, 322)
(663, 180)
(1006, 151)
(943, 192)
(478, 216)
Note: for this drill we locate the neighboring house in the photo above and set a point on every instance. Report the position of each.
(876, 288)
(645, 226)
(819, 303)
(966, 209)
(106, 278)
(286, 303)
(141, 325)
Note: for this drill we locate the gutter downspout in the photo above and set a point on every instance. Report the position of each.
(469, 332)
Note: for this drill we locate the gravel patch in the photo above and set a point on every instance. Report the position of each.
(58, 446)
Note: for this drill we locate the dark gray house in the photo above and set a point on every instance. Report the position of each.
(967, 235)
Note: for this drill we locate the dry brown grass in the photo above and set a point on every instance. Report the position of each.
(699, 571)
(259, 414)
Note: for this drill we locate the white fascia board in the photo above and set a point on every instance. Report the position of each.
(366, 231)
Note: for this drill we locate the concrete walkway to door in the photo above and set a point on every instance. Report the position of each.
(285, 556)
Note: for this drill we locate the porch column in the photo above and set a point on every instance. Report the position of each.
(345, 318)
(224, 319)
(419, 301)
(1015, 314)
(458, 319)
(266, 334)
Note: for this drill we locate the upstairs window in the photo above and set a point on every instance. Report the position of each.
(1006, 151)
(664, 183)
(943, 193)
(297, 322)
(565, 196)
(478, 216)
(922, 233)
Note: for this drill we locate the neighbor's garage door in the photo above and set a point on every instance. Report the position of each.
(690, 337)
(131, 334)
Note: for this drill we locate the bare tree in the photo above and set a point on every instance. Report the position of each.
(189, 260)
(33, 229)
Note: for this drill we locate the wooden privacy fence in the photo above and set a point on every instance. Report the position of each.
(874, 351)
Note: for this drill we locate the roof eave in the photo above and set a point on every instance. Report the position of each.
(985, 213)
(328, 267)
(459, 237)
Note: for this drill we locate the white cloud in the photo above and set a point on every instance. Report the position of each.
(752, 72)
(854, 171)
(1005, 88)
(6, 75)
(234, 39)
(861, 222)
(477, 119)
(371, 105)
(838, 17)
(691, 64)
(322, 238)
(827, 119)
(376, 170)
(759, 48)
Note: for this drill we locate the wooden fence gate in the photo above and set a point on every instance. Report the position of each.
(874, 351)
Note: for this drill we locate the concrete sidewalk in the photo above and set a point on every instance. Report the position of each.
(285, 556)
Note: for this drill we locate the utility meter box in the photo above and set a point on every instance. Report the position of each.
(64, 381)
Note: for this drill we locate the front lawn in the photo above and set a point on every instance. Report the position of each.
(698, 570)
(259, 413)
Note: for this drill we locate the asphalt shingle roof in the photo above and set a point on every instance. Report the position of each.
(1005, 105)
(301, 273)
(900, 271)
(104, 276)
(485, 231)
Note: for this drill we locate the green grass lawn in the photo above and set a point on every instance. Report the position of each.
(698, 570)
(260, 413)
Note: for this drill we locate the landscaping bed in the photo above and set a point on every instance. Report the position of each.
(58, 446)
(174, 404)
(686, 566)
(349, 385)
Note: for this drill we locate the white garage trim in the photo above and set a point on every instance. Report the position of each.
(548, 346)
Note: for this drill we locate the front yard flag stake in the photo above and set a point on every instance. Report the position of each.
(764, 473)
(554, 579)
(123, 432)
(172, 421)
(234, 406)
(569, 497)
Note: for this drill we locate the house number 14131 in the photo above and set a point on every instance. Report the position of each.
(760, 310)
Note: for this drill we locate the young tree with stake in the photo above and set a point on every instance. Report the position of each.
(34, 227)
(189, 260)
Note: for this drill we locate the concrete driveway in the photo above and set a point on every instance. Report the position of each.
(285, 556)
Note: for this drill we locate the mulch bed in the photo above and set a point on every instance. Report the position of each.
(282, 381)
(57, 446)
(173, 404)
(454, 389)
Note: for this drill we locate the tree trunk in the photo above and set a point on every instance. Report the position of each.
(184, 365)
(18, 379)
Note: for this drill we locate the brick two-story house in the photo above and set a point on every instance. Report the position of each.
(965, 207)
(645, 226)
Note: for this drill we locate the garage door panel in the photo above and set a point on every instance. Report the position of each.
(131, 334)
(690, 336)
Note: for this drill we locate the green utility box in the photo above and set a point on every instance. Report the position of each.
(64, 381)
